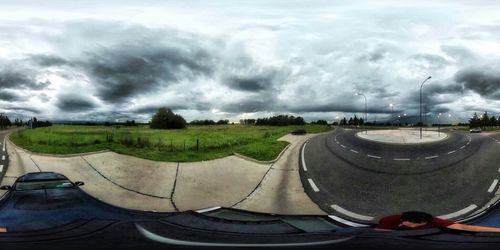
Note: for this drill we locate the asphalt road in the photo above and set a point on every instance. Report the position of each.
(4, 156)
(361, 180)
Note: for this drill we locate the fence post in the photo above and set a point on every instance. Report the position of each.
(197, 144)
(184, 145)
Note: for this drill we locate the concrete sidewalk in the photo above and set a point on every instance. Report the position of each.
(135, 183)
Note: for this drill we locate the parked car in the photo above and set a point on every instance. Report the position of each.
(299, 132)
(476, 130)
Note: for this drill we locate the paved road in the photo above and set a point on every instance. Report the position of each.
(4, 156)
(361, 181)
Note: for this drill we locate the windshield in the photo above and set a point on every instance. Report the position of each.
(380, 114)
(33, 185)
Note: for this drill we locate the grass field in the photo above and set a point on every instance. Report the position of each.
(194, 143)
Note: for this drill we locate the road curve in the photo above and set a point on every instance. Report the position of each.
(362, 180)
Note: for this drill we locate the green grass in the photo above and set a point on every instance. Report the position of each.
(258, 142)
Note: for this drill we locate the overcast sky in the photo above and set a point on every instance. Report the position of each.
(117, 60)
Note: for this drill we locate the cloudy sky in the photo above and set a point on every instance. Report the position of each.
(117, 60)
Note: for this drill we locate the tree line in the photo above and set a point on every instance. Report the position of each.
(483, 121)
(209, 122)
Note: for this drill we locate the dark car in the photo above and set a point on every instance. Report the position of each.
(41, 181)
(299, 132)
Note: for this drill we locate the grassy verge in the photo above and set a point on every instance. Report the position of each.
(194, 143)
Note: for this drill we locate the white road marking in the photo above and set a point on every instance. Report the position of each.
(499, 170)
(374, 156)
(1, 168)
(351, 214)
(354, 151)
(431, 157)
(3, 157)
(401, 159)
(462, 147)
(451, 152)
(459, 212)
(204, 210)
(342, 145)
(468, 143)
(303, 161)
(346, 222)
(314, 187)
(493, 186)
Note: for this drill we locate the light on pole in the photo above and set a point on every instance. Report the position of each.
(366, 112)
(421, 124)
(439, 125)
(392, 115)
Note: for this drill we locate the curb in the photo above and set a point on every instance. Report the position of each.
(263, 162)
(56, 155)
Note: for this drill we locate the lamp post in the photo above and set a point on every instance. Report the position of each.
(366, 112)
(392, 115)
(439, 125)
(421, 124)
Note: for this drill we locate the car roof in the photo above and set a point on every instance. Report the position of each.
(39, 176)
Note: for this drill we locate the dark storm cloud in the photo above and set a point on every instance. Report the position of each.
(484, 81)
(9, 96)
(128, 70)
(14, 79)
(74, 103)
(24, 109)
(249, 105)
(251, 83)
(451, 88)
(338, 107)
(48, 60)
(152, 109)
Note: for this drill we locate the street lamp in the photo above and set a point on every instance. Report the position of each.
(392, 115)
(421, 124)
(439, 125)
(366, 112)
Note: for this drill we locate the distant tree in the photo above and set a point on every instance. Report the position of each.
(247, 121)
(35, 123)
(474, 121)
(4, 121)
(281, 120)
(343, 122)
(223, 122)
(130, 123)
(321, 122)
(350, 122)
(485, 120)
(493, 121)
(166, 119)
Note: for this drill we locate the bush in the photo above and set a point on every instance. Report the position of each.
(166, 119)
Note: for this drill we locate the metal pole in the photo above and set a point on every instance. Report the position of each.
(421, 124)
(439, 125)
(366, 112)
